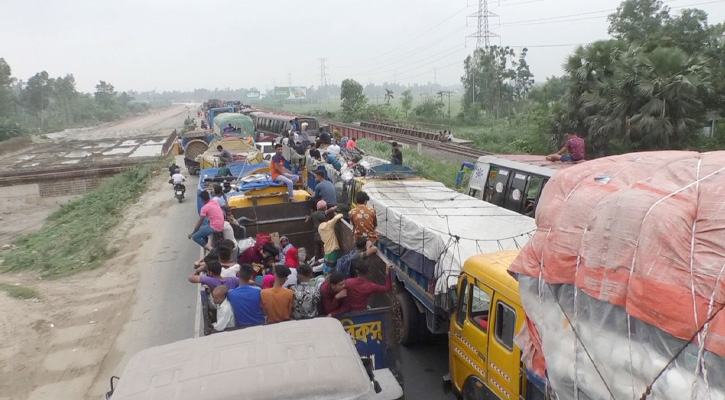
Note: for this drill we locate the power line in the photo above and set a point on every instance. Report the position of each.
(408, 42)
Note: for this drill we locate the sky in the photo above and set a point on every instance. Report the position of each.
(181, 44)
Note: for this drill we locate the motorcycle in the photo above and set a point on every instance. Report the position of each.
(179, 190)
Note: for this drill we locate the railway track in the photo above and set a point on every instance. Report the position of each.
(385, 135)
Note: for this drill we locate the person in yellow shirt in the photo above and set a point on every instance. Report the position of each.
(330, 243)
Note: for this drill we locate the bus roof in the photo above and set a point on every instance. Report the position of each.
(492, 269)
(291, 360)
(533, 163)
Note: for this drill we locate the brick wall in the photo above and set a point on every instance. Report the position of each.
(68, 187)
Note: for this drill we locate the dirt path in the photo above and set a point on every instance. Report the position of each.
(52, 347)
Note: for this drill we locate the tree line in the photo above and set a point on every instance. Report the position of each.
(656, 83)
(47, 104)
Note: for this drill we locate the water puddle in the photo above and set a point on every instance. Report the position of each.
(147, 151)
(70, 162)
(77, 154)
(118, 150)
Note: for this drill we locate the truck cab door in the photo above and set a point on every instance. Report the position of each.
(468, 336)
(504, 356)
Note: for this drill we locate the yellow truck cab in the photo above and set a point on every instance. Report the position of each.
(484, 361)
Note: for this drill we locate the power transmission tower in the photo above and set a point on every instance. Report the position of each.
(323, 72)
(483, 33)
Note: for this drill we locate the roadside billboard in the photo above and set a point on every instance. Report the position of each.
(253, 95)
(290, 92)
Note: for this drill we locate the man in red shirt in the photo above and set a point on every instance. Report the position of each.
(211, 220)
(359, 289)
(574, 145)
(332, 295)
(280, 173)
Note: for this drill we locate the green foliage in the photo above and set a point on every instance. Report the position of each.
(47, 104)
(19, 292)
(429, 109)
(74, 238)
(428, 167)
(406, 102)
(353, 99)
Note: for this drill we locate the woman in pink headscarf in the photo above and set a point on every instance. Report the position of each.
(291, 260)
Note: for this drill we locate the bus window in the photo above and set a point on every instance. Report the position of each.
(533, 191)
(515, 196)
(505, 324)
(497, 186)
(480, 304)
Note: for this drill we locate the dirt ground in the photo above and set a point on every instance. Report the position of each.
(51, 347)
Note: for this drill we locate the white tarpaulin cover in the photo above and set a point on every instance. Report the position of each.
(444, 226)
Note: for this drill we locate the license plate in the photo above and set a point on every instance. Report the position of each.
(179, 193)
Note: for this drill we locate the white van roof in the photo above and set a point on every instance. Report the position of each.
(310, 359)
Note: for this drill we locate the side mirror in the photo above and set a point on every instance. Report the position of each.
(451, 299)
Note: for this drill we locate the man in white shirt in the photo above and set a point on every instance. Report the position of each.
(224, 313)
(178, 179)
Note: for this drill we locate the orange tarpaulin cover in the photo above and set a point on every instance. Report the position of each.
(644, 231)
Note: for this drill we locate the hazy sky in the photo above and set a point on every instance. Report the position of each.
(182, 44)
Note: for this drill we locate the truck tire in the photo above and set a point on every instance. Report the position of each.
(410, 317)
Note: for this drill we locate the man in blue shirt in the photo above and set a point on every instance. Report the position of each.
(332, 160)
(246, 300)
(324, 190)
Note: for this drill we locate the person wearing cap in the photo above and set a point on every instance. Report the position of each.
(324, 190)
(397, 155)
(317, 218)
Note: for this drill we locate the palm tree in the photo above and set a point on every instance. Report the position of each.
(388, 96)
(670, 82)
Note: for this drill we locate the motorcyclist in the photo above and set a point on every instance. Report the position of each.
(178, 180)
(173, 168)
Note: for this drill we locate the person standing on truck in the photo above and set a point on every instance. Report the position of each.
(329, 240)
(317, 218)
(359, 289)
(324, 190)
(224, 313)
(397, 155)
(363, 218)
(306, 296)
(333, 295)
(574, 145)
(277, 300)
(280, 173)
(246, 300)
(211, 220)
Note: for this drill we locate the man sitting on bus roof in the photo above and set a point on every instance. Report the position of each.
(280, 173)
(574, 145)
(246, 300)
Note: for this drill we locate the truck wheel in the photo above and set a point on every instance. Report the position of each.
(410, 317)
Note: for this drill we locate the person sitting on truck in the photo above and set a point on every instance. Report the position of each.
(324, 137)
(213, 277)
(363, 249)
(284, 245)
(280, 173)
(359, 289)
(277, 301)
(224, 171)
(230, 267)
(351, 144)
(363, 218)
(246, 300)
(224, 313)
(332, 160)
(574, 145)
(306, 297)
(397, 155)
(330, 243)
(291, 259)
(211, 220)
(317, 218)
(324, 190)
(225, 157)
(333, 295)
